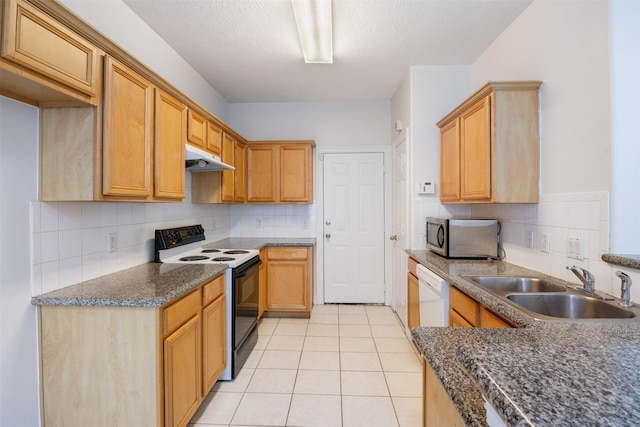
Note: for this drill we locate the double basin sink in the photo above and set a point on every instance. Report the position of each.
(549, 301)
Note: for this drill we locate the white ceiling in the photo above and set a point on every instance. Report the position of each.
(249, 49)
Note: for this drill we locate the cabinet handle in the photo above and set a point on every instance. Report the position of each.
(328, 235)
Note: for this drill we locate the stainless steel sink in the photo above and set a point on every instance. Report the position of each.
(508, 284)
(569, 306)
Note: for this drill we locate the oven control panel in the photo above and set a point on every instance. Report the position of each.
(174, 237)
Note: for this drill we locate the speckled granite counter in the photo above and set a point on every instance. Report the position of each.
(146, 285)
(629, 261)
(259, 243)
(543, 374)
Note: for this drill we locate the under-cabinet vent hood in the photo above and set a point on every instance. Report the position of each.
(199, 160)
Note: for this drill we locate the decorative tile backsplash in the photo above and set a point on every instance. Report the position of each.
(559, 216)
(273, 220)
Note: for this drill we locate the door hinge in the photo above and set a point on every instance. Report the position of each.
(321, 157)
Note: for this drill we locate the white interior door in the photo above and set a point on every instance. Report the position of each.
(353, 221)
(400, 221)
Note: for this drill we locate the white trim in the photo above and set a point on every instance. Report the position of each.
(318, 297)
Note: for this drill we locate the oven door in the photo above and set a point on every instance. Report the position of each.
(437, 236)
(245, 284)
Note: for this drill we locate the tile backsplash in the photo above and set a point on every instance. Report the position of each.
(69, 240)
(559, 216)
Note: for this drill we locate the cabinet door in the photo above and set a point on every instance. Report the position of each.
(239, 176)
(450, 162)
(39, 43)
(475, 147)
(413, 297)
(287, 286)
(182, 373)
(214, 139)
(228, 157)
(171, 120)
(261, 173)
(128, 132)
(196, 129)
(262, 284)
(296, 173)
(214, 354)
(464, 305)
(457, 321)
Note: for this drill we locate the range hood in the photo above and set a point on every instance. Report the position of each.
(198, 160)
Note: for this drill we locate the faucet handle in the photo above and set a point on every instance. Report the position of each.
(625, 289)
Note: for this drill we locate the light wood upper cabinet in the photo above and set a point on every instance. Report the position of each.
(261, 168)
(280, 171)
(490, 146)
(450, 161)
(228, 157)
(170, 126)
(128, 132)
(214, 138)
(296, 173)
(39, 43)
(240, 174)
(197, 128)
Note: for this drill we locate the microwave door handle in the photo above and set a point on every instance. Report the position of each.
(441, 236)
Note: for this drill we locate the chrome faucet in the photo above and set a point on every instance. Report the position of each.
(625, 289)
(585, 277)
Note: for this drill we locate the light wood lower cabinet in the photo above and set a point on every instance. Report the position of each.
(262, 283)
(437, 410)
(289, 281)
(182, 364)
(466, 312)
(105, 366)
(413, 295)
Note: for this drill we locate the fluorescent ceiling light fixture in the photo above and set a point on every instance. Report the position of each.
(313, 19)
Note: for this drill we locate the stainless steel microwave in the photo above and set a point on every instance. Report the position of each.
(463, 238)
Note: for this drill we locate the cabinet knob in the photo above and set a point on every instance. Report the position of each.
(394, 237)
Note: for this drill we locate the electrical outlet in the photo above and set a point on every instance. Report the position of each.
(545, 242)
(213, 223)
(575, 248)
(112, 242)
(528, 239)
(305, 223)
(259, 223)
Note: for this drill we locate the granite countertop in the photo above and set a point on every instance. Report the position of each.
(259, 243)
(627, 260)
(146, 285)
(543, 373)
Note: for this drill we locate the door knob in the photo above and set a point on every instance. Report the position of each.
(394, 237)
(328, 235)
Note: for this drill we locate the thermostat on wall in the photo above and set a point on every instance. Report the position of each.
(427, 187)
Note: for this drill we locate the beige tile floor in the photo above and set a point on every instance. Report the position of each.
(348, 365)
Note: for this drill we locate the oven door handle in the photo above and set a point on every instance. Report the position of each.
(245, 268)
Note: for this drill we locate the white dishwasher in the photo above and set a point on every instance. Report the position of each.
(434, 298)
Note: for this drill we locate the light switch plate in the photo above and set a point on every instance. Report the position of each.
(528, 239)
(575, 248)
(545, 243)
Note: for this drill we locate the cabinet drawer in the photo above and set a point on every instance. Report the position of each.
(490, 320)
(41, 44)
(413, 267)
(464, 305)
(457, 321)
(213, 290)
(179, 312)
(287, 253)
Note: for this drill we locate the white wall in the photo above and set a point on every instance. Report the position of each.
(18, 185)
(117, 21)
(625, 136)
(328, 123)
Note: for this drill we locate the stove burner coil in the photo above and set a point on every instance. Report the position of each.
(206, 251)
(194, 258)
(236, 252)
(223, 258)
